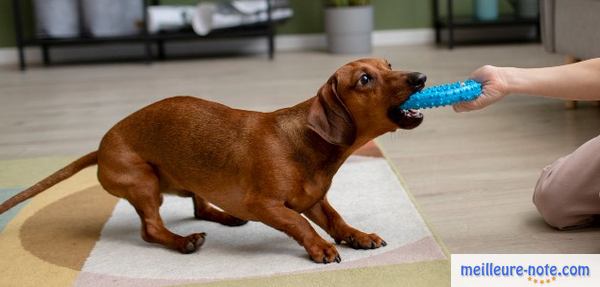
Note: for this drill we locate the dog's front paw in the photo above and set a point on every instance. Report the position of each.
(361, 240)
(324, 252)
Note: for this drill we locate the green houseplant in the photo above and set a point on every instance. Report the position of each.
(349, 25)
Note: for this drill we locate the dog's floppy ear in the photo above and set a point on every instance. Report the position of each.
(329, 117)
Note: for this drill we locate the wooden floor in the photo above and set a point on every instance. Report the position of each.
(472, 174)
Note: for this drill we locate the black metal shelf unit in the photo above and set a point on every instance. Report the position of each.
(451, 22)
(266, 29)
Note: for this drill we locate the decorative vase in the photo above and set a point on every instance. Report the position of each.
(349, 29)
(486, 10)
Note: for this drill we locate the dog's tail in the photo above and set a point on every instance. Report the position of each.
(62, 174)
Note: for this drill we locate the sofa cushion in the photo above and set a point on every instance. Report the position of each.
(577, 28)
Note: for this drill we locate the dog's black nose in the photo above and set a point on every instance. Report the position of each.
(416, 79)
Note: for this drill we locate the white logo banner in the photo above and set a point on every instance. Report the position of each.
(527, 270)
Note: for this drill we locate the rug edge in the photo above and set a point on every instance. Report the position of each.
(412, 198)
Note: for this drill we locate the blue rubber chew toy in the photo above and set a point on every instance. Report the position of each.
(443, 95)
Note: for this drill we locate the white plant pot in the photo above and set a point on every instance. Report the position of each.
(57, 18)
(110, 18)
(349, 29)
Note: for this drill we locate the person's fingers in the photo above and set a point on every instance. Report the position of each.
(459, 108)
(492, 89)
(482, 74)
(464, 107)
(476, 76)
(481, 102)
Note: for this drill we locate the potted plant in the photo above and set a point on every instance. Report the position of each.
(348, 25)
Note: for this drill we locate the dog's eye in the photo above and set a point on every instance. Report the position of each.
(365, 79)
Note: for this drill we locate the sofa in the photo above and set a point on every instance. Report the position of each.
(571, 28)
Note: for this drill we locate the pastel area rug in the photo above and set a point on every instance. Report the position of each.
(76, 234)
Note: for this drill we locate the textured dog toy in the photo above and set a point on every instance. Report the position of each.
(443, 95)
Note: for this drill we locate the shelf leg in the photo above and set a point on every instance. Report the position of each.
(271, 34)
(271, 46)
(450, 25)
(148, 52)
(436, 23)
(538, 31)
(45, 55)
(147, 40)
(22, 65)
(161, 49)
(19, 34)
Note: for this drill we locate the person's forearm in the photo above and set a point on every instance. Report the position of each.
(579, 81)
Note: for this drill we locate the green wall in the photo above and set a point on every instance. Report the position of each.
(389, 14)
(308, 17)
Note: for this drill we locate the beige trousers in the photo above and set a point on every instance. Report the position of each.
(567, 194)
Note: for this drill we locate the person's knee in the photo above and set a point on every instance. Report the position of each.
(566, 194)
(546, 202)
(551, 198)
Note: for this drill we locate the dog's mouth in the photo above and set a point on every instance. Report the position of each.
(405, 119)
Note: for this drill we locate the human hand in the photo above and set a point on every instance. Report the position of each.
(493, 88)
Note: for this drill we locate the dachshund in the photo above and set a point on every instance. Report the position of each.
(239, 165)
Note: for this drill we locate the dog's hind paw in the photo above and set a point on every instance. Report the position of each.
(192, 242)
(234, 221)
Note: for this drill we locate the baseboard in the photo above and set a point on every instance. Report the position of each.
(9, 56)
(380, 38)
(419, 36)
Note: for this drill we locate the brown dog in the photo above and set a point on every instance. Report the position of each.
(267, 167)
